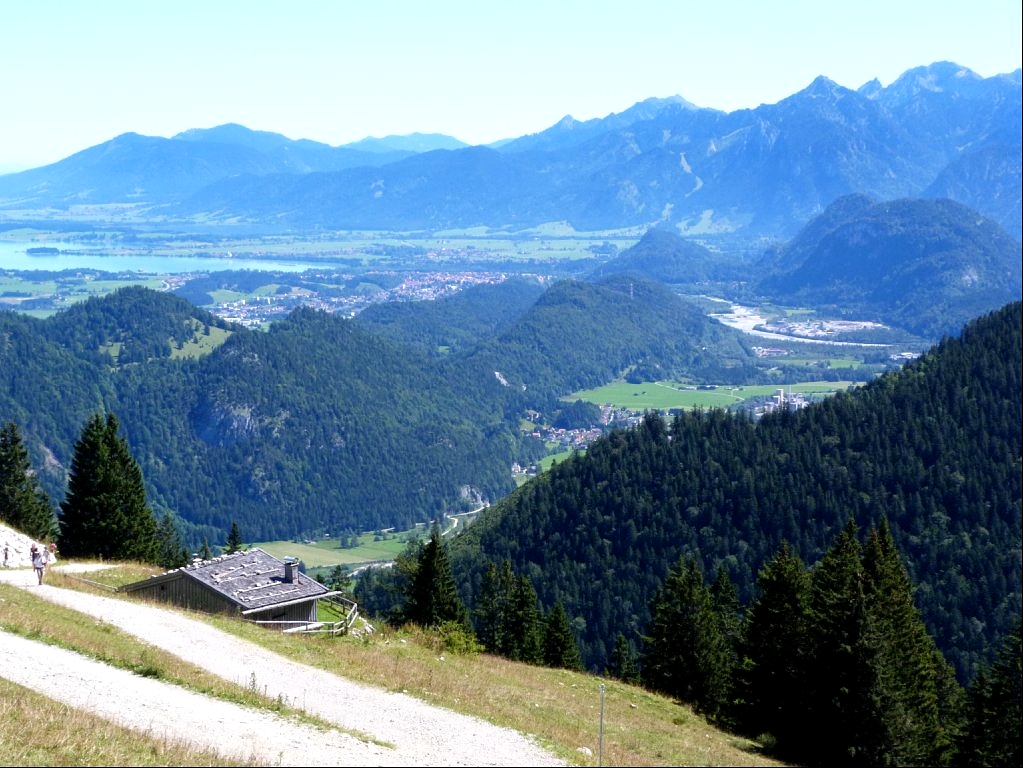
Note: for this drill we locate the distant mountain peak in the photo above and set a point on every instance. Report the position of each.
(939, 77)
(823, 86)
(411, 142)
(233, 133)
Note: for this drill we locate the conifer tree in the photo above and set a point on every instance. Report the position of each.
(234, 540)
(842, 721)
(528, 628)
(432, 598)
(205, 553)
(622, 663)
(24, 505)
(559, 646)
(725, 599)
(104, 513)
(339, 580)
(686, 654)
(384, 592)
(908, 668)
(493, 609)
(772, 687)
(172, 550)
(992, 735)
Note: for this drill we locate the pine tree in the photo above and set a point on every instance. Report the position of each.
(559, 646)
(234, 540)
(622, 663)
(493, 609)
(772, 687)
(24, 505)
(432, 599)
(725, 599)
(991, 736)
(907, 665)
(172, 550)
(339, 580)
(686, 654)
(527, 624)
(104, 513)
(843, 715)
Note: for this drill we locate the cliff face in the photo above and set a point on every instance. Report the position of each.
(18, 546)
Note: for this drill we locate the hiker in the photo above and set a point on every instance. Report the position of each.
(50, 554)
(7, 555)
(38, 562)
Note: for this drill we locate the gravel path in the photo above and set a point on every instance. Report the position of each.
(421, 734)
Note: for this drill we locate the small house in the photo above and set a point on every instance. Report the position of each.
(251, 583)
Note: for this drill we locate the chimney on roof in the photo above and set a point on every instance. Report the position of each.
(290, 570)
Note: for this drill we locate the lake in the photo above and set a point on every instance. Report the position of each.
(14, 255)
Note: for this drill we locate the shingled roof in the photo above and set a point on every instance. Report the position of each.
(251, 579)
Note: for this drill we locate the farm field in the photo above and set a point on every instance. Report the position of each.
(327, 552)
(23, 291)
(666, 395)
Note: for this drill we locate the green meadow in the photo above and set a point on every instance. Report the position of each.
(327, 552)
(667, 395)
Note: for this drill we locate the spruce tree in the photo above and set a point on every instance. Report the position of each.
(686, 654)
(559, 646)
(991, 735)
(104, 514)
(725, 599)
(528, 630)
(773, 685)
(24, 505)
(622, 663)
(913, 719)
(843, 725)
(172, 550)
(234, 540)
(432, 598)
(493, 609)
(339, 580)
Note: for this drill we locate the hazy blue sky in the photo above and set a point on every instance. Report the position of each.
(76, 73)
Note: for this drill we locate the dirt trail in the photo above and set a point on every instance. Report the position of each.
(399, 730)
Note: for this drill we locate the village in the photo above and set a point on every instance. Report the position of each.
(413, 286)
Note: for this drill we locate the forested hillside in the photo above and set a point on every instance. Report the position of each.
(581, 334)
(928, 266)
(456, 324)
(326, 424)
(934, 449)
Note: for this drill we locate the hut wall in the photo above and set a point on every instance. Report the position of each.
(187, 593)
(296, 612)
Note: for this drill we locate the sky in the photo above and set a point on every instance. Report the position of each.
(77, 73)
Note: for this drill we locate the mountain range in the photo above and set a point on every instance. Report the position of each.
(749, 176)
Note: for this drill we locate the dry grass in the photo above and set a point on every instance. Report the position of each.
(36, 730)
(562, 709)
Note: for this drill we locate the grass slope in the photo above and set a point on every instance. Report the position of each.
(563, 709)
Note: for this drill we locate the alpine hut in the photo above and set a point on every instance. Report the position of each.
(251, 583)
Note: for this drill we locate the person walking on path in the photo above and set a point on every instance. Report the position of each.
(7, 556)
(38, 562)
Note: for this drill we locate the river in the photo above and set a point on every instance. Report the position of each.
(746, 319)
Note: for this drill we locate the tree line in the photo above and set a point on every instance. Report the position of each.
(420, 590)
(829, 664)
(104, 514)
